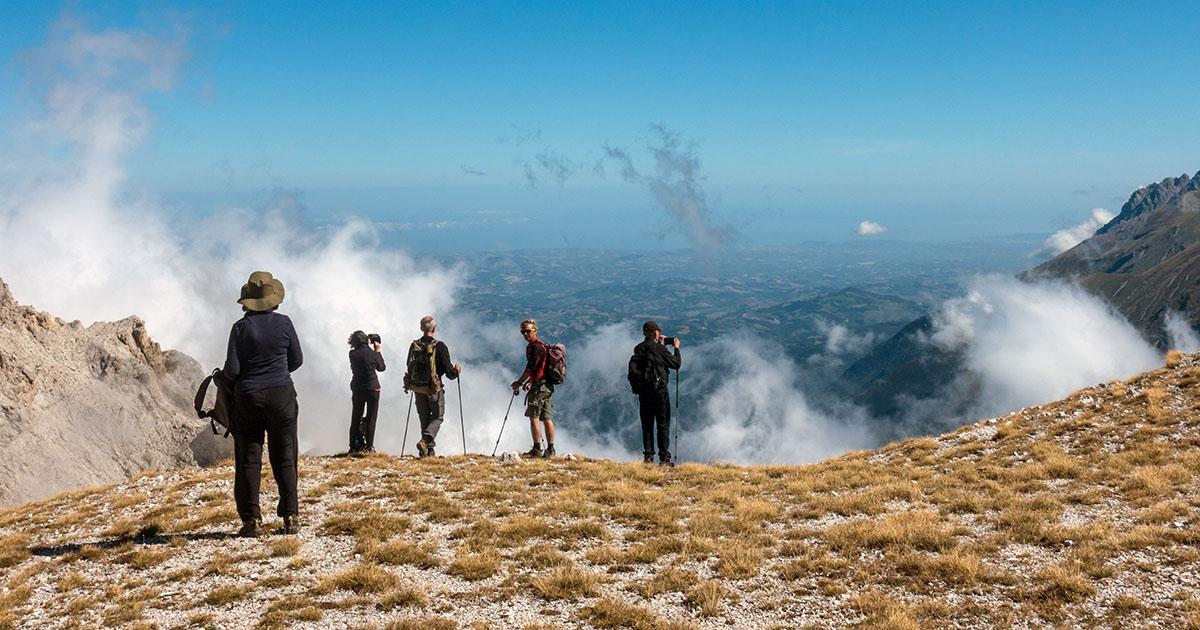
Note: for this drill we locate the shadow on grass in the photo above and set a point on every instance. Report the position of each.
(141, 538)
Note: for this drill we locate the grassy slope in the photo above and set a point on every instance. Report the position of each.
(1080, 513)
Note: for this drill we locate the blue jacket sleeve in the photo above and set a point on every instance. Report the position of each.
(232, 366)
(295, 355)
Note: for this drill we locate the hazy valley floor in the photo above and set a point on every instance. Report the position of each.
(1081, 513)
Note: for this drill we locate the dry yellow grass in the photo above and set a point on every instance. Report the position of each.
(1035, 518)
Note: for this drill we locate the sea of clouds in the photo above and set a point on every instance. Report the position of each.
(78, 240)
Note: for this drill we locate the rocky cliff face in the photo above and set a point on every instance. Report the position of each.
(84, 406)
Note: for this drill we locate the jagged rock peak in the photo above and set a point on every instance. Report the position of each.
(6, 298)
(1149, 197)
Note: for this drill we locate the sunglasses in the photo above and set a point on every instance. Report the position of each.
(526, 331)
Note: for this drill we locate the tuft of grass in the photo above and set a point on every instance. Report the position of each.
(284, 547)
(903, 531)
(406, 597)
(737, 562)
(404, 552)
(370, 524)
(475, 566)
(707, 597)
(567, 582)
(425, 623)
(363, 578)
(14, 550)
(613, 613)
(669, 580)
(224, 595)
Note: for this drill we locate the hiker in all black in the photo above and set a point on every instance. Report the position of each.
(263, 352)
(365, 361)
(538, 402)
(424, 378)
(649, 373)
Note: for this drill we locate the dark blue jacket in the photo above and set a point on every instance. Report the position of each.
(263, 351)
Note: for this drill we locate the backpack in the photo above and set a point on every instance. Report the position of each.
(554, 364)
(643, 378)
(222, 410)
(421, 376)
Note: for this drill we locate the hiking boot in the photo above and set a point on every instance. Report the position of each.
(549, 452)
(429, 452)
(648, 459)
(536, 451)
(251, 528)
(666, 462)
(422, 450)
(291, 525)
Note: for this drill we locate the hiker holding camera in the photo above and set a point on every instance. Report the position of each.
(365, 361)
(648, 376)
(263, 351)
(428, 362)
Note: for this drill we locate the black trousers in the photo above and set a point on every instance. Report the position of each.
(655, 411)
(272, 412)
(362, 428)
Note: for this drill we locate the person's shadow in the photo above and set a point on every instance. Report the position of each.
(140, 538)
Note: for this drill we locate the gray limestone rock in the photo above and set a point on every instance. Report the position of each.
(510, 457)
(86, 406)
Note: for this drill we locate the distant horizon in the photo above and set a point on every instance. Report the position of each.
(780, 121)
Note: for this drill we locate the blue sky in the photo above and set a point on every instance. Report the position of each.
(935, 119)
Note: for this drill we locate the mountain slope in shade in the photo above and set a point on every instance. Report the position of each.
(80, 406)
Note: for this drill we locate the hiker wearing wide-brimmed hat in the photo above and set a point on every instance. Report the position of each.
(263, 352)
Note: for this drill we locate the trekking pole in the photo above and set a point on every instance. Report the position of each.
(510, 401)
(407, 421)
(461, 422)
(676, 417)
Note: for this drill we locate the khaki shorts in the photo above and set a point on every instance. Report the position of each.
(538, 403)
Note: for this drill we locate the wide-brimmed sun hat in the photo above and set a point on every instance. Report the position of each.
(262, 292)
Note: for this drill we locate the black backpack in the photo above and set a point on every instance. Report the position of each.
(643, 377)
(222, 410)
(421, 375)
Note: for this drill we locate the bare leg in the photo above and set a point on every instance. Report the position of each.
(536, 431)
(549, 430)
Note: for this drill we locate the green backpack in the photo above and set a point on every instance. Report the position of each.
(421, 376)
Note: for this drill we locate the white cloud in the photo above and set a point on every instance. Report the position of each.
(1034, 343)
(869, 227)
(1063, 240)
(1183, 337)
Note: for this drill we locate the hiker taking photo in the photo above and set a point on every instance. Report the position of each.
(648, 377)
(365, 360)
(428, 363)
(538, 403)
(263, 351)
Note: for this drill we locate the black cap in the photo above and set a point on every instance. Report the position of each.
(649, 327)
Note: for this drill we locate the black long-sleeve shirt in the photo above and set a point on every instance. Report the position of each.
(263, 351)
(661, 358)
(364, 363)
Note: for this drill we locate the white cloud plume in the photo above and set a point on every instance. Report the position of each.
(866, 228)
(1183, 337)
(1065, 239)
(1034, 343)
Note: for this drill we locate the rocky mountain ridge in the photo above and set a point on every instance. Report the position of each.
(81, 406)
(1145, 263)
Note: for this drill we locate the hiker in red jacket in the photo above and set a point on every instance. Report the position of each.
(538, 400)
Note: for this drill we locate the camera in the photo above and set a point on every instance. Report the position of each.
(670, 341)
(374, 338)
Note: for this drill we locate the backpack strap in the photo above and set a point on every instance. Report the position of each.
(199, 402)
